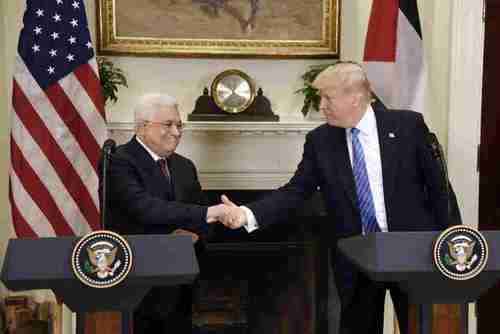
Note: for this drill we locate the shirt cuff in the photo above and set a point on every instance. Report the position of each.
(251, 224)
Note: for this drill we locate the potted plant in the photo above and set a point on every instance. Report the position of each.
(311, 97)
(111, 78)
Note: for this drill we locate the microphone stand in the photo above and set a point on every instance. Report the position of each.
(437, 151)
(107, 150)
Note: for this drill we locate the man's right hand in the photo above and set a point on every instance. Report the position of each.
(228, 213)
(234, 216)
(215, 213)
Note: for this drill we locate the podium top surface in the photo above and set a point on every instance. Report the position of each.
(399, 256)
(45, 263)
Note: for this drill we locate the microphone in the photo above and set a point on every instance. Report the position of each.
(109, 147)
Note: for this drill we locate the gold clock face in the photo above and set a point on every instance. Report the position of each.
(233, 91)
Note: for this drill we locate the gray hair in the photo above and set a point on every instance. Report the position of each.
(150, 103)
(349, 74)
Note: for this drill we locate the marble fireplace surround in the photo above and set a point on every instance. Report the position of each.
(237, 155)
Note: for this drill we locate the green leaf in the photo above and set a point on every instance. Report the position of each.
(111, 78)
(311, 97)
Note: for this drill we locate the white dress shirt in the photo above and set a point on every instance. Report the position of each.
(368, 136)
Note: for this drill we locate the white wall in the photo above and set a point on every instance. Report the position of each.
(466, 72)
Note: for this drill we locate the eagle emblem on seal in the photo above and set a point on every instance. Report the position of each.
(460, 252)
(101, 259)
(461, 249)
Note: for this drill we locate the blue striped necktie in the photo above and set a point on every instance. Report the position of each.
(365, 198)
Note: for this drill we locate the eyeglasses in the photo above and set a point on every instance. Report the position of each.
(168, 125)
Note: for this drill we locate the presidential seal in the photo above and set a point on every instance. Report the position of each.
(460, 252)
(101, 259)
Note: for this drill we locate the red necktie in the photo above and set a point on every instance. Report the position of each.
(166, 172)
(164, 168)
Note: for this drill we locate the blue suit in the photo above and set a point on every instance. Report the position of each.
(415, 200)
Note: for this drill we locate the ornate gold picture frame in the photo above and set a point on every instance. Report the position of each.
(219, 28)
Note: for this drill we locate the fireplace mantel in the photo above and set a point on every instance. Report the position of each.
(242, 127)
(238, 155)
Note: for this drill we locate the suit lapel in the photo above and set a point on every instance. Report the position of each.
(148, 165)
(341, 161)
(175, 178)
(389, 138)
(142, 157)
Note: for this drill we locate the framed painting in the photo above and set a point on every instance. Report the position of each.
(219, 28)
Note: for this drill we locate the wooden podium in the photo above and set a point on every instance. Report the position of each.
(407, 258)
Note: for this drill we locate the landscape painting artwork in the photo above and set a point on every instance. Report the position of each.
(267, 28)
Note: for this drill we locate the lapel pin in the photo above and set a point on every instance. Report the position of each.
(392, 135)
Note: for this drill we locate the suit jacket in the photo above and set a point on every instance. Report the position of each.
(140, 200)
(414, 192)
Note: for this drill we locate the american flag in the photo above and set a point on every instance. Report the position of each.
(58, 123)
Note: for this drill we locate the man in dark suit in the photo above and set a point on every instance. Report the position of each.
(153, 190)
(376, 173)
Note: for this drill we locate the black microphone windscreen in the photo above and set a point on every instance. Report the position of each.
(435, 146)
(109, 146)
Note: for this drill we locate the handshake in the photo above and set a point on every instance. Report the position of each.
(227, 213)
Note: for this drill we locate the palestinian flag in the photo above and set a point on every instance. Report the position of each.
(394, 59)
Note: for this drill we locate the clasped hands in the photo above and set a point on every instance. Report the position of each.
(227, 213)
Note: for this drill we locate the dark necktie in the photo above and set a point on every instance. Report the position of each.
(164, 168)
(162, 163)
(365, 198)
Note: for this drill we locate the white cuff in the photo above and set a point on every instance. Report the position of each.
(251, 224)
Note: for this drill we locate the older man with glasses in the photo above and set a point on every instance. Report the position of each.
(153, 190)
